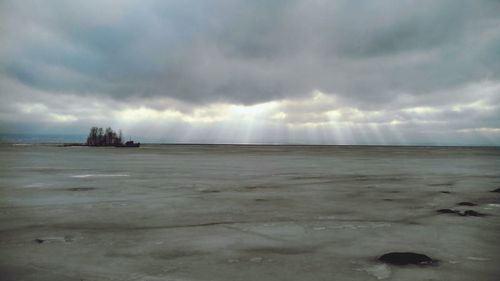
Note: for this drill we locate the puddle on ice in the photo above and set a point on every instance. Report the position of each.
(478, 259)
(380, 271)
(318, 228)
(326, 217)
(34, 185)
(360, 226)
(257, 259)
(100, 175)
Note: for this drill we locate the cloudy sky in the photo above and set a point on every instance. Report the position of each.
(260, 71)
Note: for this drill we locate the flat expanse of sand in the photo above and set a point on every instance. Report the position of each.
(246, 212)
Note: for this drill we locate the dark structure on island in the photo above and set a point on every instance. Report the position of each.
(108, 137)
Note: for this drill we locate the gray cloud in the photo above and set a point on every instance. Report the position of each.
(371, 55)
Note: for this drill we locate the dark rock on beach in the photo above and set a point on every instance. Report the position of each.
(496, 190)
(447, 211)
(466, 204)
(407, 258)
(467, 213)
(471, 213)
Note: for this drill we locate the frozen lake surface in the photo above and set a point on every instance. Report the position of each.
(225, 212)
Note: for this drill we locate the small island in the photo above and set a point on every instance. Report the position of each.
(108, 137)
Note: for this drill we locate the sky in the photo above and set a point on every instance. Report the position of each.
(263, 71)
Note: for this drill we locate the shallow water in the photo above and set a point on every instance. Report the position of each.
(227, 212)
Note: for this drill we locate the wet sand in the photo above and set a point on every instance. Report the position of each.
(219, 212)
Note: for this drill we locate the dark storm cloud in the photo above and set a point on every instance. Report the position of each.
(250, 51)
(424, 68)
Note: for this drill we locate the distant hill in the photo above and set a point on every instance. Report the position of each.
(40, 138)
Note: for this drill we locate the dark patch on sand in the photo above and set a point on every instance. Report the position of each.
(309, 177)
(471, 213)
(393, 191)
(361, 178)
(442, 184)
(496, 190)
(81, 189)
(175, 254)
(466, 204)
(467, 213)
(407, 258)
(447, 211)
(209, 191)
(260, 187)
(66, 239)
(445, 192)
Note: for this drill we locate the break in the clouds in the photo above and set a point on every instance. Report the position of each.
(316, 71)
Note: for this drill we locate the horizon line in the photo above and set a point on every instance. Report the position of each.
(264, 144)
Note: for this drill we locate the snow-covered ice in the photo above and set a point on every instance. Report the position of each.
(225, 212)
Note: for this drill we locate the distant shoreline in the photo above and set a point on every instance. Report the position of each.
(62, 139)
(61, 144)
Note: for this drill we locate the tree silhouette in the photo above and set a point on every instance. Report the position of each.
(100, 137)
